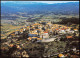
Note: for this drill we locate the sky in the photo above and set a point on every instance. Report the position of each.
(48, 2)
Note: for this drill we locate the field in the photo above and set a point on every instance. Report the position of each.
(6, 29)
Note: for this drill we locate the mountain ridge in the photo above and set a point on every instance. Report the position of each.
(59, 8)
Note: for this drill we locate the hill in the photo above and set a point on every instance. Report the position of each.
(39, 8)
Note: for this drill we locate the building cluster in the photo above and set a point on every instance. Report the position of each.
(44, 29)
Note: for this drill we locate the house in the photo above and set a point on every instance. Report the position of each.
(18, 46)
(62, 31)
(44, 35)
(71, 31)
(74, 49)
(29, 38)
(24, 29)
(75, 29)
(11, 45)
(68, 29)
(61, 56)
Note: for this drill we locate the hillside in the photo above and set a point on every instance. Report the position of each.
(39, 8)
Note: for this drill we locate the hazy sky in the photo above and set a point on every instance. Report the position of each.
(49, 2)
(52, 2)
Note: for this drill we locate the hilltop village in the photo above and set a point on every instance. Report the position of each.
(45, 30)
(40, 32)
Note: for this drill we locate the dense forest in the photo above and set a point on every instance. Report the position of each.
(65, 20)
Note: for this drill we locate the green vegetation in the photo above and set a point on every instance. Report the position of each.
(7, 29)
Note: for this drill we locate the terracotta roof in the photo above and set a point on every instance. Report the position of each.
(21, 30)
(45, 32)
(29, 38)
(18, 46)
(57, 29)
(69, 36)
(75, 29)
(62, 29)
(60, 55)
(11, 45)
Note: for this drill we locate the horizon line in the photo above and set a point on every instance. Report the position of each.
(31, 2)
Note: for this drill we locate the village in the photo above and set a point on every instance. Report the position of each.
(41, 32)
(45, 30)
